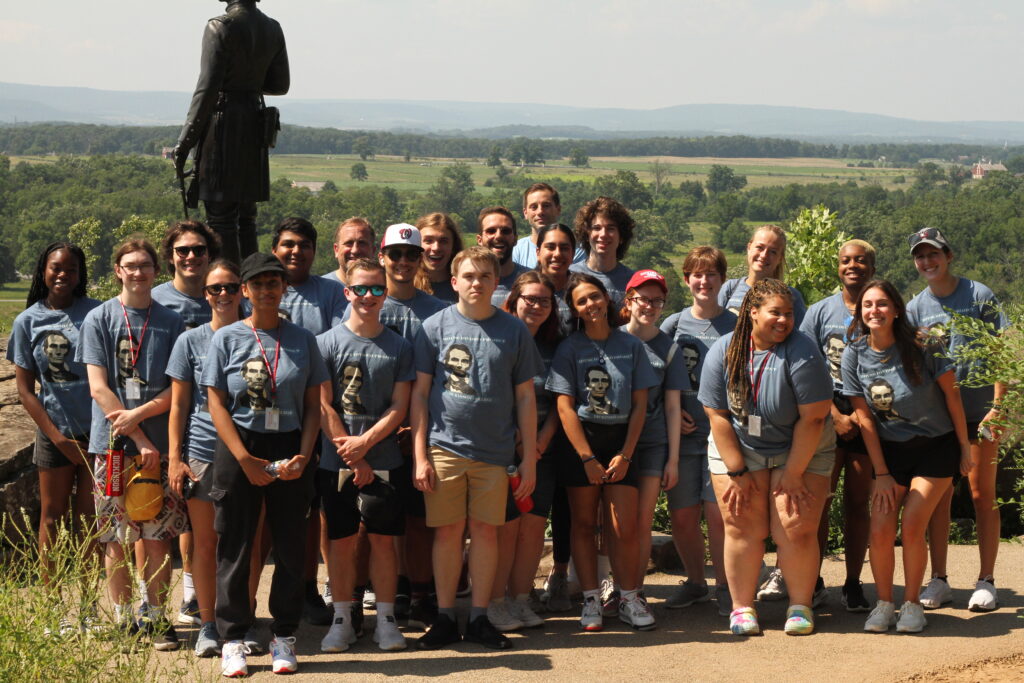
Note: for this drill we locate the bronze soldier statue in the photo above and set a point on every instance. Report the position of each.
(228, 124)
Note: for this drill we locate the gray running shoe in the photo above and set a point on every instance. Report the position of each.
(687, 594)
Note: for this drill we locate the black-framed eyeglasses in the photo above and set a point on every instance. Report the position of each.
(229, 287)
(647, 301)
(197, 250)
(409, 254)
(537, 301)
(361, 290)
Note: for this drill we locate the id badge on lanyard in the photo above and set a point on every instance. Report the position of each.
(272, 414)
(272, 419)
(754, 420)
(133, 389)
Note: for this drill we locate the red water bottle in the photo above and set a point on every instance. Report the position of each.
(115, 468)
(524, 504)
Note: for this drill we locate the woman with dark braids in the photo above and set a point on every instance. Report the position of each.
(912, 420)
(767, 391)
(42, 348)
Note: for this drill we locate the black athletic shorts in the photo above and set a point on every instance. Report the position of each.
(377, 505)
(922, 456)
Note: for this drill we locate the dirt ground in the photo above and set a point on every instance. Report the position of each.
(695, 643)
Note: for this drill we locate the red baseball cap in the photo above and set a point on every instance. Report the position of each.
(646, 277)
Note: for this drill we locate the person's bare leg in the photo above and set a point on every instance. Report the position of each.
(185, 547)
(483, 560)
(856, 523)
(383, 567)
(529, 548)
(620, 516)
(938, 534)
(447, 554)
(982, 479)
(925, 493)
(506, 536)
(716, 541)
(204, 564)
(796, 536)
(55, 485)
(419, 543)
(157, 573)
(882, 548)
(583, 501)
(341, 568)
(118, 578)
(363, 558)
(745, 532)
(689, 541)
(647, 498)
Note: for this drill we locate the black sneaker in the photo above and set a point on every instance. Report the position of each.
(314, 610)
(482, 631)
(161, 633)
(442, 633)
(422, 613)
(853, 597)
(403, 604)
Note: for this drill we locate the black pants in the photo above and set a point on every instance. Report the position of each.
(235, 223)
(237, 504)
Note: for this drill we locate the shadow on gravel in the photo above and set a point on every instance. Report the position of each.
(430, 664)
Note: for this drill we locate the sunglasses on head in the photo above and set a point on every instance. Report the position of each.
(361, 290)
(197, 250)
(925, 234)
(229, 287)
(397, 253)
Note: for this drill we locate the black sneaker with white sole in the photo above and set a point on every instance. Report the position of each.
(853, 598)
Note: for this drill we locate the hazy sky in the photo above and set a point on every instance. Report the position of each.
(926, 59)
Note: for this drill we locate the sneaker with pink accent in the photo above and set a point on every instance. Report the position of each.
(743, 622)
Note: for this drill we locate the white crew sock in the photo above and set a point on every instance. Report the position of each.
(189, 593)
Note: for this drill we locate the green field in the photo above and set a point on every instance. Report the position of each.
(418, 174)
(12, 302)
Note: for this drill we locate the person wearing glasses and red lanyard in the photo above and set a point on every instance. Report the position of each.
(125, 344)
(767, 393)
(929, 311)
(263, 377)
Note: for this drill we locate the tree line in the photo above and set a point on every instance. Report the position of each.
(89, 139)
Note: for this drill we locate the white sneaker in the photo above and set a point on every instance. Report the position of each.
(637, 614)
(984, 597)
(501, 618)
(387, 636)
(369, 599)
(232, 659)
(911, 618)
(936, 594)
(521, 610)
(774, 587)
(881, 618)
(591, 619)
(339, 636)
(282, 651)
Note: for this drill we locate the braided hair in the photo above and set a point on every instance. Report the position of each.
(738, 353)
(908, 342)
(38, 290)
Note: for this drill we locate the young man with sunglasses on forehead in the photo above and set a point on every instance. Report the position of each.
(360, 453)
(496, 230)
(188, 248)
(404, 311)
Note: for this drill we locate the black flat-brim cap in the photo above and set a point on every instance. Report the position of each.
(258, 264)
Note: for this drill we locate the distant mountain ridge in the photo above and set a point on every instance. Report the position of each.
(33, 103)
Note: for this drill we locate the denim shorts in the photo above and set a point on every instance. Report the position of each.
(694, 484)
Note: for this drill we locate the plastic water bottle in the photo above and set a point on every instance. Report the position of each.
(275, 468)
(524, 504)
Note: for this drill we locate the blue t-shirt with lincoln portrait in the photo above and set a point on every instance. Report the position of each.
(476, 366)
(601, 375)
(237, 365)
(44, 341)
(186, 365)
(138, 356)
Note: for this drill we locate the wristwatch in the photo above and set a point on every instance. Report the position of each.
(738, 473)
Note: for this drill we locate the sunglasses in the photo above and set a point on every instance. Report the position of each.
(925, 234)
(229, 287)
(197, 250)
(410, 254)
(361, 290)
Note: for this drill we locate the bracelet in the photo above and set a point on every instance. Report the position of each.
(738, 473)
(588, 459)
(628, 460)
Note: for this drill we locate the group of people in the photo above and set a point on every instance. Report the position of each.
(425, 392)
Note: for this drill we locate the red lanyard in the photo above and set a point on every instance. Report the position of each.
(756, 385)
(136, 351)
(266, 361)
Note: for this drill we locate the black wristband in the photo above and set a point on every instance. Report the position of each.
(738, 473)
(588, 459)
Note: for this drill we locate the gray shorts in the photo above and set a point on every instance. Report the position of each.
(694, 483)
(47, 456)
(651, 459)
(821, 464)
(200, 490)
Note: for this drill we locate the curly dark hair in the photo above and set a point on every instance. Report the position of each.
(613, 211)
(178, 229)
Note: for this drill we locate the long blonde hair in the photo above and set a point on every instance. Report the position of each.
(780, 269)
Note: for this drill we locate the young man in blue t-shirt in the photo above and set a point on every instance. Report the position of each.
(474, 388)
